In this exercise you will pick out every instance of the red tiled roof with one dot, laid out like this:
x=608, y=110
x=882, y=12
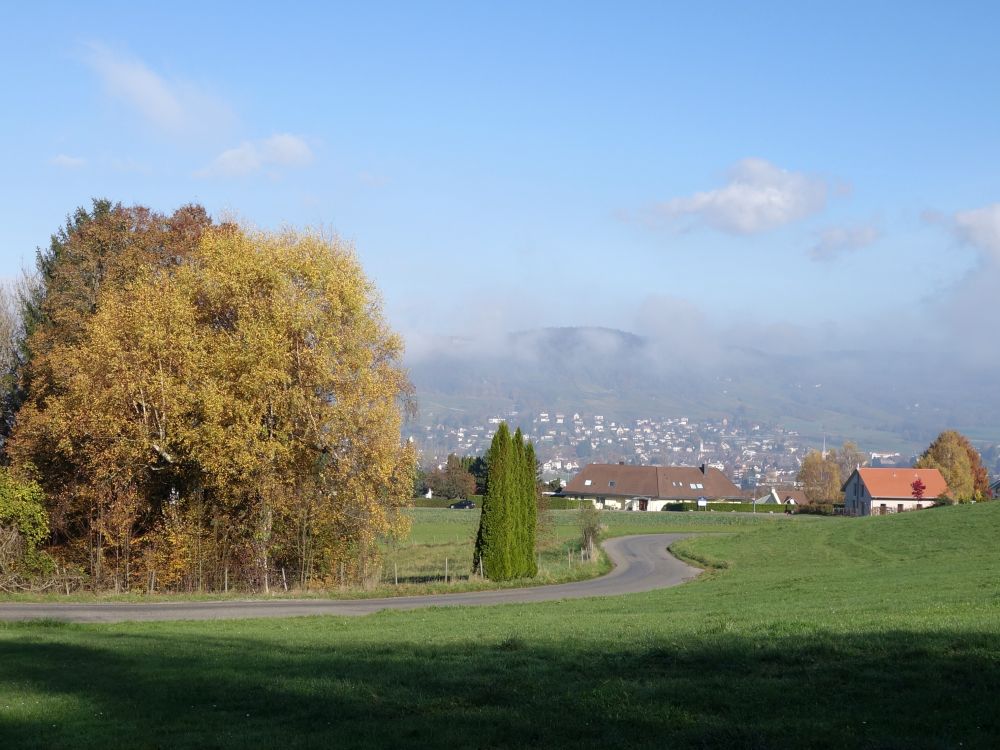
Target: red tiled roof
x=662, y=482
x=898, y=482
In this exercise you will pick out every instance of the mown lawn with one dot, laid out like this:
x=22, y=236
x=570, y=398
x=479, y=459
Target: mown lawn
x=880, y=632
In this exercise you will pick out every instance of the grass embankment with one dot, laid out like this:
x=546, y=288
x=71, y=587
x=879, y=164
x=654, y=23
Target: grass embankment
x=878, y=632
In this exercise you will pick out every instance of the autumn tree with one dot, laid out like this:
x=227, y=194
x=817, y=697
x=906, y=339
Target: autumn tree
x=240, y=391
x=820, y=477
x=959, y=463
x=848, y=458
x=980, y=474
x=108, y=244
x=453, y=481
x=476, y=465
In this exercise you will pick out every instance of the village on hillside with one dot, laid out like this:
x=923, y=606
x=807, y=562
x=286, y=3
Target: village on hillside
x=752, y=454
x=678, y=463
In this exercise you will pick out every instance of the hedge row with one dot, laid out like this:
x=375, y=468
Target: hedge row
x=443, y=502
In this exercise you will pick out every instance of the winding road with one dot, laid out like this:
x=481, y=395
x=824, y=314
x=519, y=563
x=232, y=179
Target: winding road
x=642, y=563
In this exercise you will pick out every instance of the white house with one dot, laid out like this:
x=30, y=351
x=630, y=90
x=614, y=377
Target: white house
x=645, y=503
x=879, y=492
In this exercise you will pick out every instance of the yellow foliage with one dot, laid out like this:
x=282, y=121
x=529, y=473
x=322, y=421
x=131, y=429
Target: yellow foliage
x=257, y=373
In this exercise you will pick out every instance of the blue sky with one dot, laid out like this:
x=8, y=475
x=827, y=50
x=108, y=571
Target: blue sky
x=747, y=169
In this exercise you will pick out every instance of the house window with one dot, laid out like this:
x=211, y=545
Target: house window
x=586, y=482
x=611, y=483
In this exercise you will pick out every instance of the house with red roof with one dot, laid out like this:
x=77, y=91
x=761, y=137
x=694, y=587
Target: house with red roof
x=878, y=492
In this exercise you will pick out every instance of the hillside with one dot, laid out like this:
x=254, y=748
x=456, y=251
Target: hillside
x=840, y=394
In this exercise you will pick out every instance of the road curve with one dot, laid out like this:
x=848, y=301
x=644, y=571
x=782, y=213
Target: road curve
x=642, y=563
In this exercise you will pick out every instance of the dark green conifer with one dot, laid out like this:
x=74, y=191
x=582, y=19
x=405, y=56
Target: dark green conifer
x=493, y=541
x=530, y=511
x=521, y=555
x=505, y=542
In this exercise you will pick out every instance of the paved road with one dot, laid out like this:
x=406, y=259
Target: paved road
x=642, y=563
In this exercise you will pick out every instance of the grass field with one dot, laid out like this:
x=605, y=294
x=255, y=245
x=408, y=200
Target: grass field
x=878, y=632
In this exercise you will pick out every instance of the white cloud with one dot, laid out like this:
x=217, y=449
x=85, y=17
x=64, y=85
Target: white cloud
x=287, y=150
x=965, y=313
x=980, y=228
x=280, y=150
x=176, y=107
x=835, y=241
x=758, y=197
x=68, y=162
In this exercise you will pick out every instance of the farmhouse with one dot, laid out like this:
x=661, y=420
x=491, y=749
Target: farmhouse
x=650, y=487
x=878, y=492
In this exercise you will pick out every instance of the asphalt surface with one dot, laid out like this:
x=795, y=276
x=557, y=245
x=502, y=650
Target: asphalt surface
x=642, y=563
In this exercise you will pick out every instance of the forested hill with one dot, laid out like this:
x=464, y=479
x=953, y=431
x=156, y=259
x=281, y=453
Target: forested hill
x=841, y=394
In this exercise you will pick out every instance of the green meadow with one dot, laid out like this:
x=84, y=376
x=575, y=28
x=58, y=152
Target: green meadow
x=829, y=633
x=417, y=565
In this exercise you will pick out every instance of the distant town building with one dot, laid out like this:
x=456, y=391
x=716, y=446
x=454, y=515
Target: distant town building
x=782, y=497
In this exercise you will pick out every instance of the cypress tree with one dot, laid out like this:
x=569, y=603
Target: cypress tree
x=530, y=511
x=518, y=527
x=493, y=541
x=505, y=542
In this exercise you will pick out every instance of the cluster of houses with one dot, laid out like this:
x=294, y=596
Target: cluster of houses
x=868, y=491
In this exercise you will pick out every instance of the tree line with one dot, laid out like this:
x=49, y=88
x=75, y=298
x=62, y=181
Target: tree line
x=822, y=475
x=198, y=405
x=460, y=477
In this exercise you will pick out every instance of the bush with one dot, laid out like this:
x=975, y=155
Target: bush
x=566, y=503
x=441, y=502
x=24, y=525
x=590, y=527
x=815, y=509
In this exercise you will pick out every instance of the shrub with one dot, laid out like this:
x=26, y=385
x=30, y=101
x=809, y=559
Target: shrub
x=590, y=527
x=815, y=509
x=24, y=525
